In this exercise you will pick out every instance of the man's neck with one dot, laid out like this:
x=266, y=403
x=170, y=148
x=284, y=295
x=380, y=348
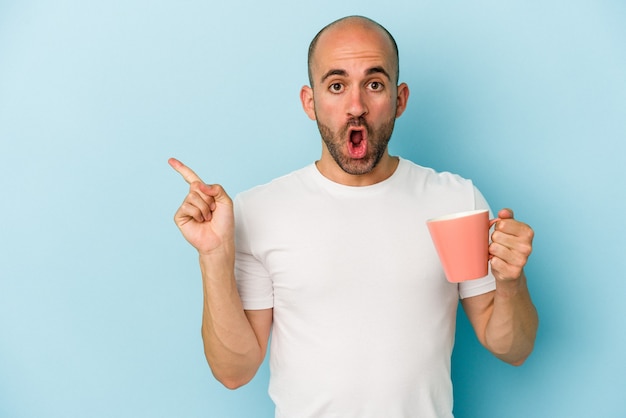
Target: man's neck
x=382, y=171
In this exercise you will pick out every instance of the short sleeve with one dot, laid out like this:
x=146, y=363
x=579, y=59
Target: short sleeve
x=253, y=281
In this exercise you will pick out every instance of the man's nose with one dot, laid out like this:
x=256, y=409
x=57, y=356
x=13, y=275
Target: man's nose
x=357, y=106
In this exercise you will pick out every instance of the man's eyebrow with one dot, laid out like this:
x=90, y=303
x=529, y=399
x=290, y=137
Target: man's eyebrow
x=378, y=70
x=333, y=72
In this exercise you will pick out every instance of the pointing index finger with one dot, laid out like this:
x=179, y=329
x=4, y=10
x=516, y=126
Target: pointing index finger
x=187, y=173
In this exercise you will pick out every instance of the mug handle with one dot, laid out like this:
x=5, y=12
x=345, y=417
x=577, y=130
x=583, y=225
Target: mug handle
x=492, y=222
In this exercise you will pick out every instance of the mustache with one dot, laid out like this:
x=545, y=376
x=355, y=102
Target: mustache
x=357, y=122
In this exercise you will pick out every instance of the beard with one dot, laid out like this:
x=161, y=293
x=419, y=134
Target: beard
x=377, y=141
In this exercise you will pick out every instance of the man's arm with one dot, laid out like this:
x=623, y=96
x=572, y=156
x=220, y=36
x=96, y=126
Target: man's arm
x=235, y=341
x=505, y=320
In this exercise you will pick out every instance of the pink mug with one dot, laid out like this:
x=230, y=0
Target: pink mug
x=462, y=243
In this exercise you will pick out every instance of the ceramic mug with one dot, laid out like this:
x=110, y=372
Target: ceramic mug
x=462, y=243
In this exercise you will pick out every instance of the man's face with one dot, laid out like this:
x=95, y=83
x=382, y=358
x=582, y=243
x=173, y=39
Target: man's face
x=355, y=98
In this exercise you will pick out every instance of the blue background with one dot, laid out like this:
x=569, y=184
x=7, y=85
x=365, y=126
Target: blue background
x=100, y=296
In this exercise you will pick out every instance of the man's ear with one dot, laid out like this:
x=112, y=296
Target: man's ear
x=308, y=104
x=403, y=98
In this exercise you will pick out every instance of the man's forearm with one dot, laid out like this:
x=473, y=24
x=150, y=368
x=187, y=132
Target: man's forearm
x=230, y=344
x=512, y=328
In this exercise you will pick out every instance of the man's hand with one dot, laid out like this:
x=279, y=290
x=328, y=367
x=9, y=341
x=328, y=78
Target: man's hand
x=510, y=247
x=205, y=217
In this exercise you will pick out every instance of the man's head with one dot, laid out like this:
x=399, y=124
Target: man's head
x=355, y=98
x=361, y=20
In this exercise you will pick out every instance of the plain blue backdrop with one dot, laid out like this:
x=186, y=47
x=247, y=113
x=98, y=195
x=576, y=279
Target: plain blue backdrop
x=100, y=296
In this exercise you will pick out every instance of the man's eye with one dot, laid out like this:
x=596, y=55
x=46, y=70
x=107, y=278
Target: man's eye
x=375, y=85
x=336, y=87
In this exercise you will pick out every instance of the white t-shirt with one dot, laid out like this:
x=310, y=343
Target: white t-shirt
x=364, y=318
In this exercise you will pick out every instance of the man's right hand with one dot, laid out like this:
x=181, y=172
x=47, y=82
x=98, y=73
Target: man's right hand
x=205, y=217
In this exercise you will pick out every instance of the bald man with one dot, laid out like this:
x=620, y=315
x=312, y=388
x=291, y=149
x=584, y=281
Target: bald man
x=335, y=261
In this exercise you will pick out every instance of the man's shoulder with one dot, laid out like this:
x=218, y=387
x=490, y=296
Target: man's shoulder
x=431, y=177
x=280, y=186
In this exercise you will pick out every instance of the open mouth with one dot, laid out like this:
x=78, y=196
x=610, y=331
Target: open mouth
x=357, y=144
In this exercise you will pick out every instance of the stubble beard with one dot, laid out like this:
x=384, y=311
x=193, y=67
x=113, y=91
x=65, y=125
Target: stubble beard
x=377, y=141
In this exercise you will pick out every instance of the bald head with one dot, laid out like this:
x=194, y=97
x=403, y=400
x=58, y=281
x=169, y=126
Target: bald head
x=350, y=23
